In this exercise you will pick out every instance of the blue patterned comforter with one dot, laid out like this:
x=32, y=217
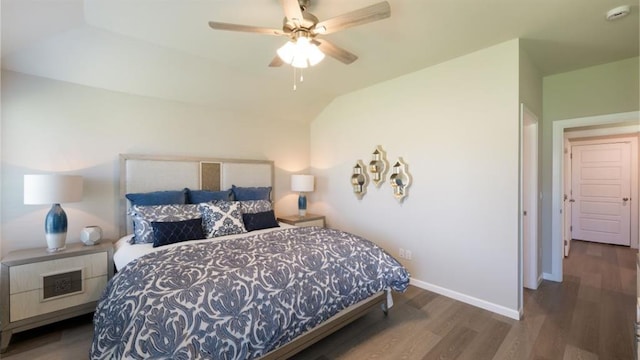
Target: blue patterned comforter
x=237, y=299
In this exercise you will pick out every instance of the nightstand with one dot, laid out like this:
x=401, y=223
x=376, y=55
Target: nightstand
x=307, y=220
x=39, y=288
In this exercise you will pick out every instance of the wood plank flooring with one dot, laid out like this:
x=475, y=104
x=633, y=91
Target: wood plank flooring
x=589, y=316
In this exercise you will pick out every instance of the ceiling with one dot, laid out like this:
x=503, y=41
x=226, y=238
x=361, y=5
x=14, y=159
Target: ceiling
x=165, y=49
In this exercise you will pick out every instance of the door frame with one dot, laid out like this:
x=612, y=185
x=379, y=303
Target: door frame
x=531, y=275
x=566, y=197
x=559, y=126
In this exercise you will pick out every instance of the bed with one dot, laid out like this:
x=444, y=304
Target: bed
x=266, y=293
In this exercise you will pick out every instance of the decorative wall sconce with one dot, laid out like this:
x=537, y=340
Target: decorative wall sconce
x=400, y=180
x=378, y=166
x=359, y=179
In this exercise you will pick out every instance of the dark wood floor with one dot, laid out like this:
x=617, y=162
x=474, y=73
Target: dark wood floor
x=588, y=316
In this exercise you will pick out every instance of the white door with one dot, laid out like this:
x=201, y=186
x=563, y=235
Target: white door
x=531, y=261
x=567, y=200
x=601, y=187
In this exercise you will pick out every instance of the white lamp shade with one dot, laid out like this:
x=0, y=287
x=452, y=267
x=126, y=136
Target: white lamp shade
x=302, y=183
x=52, y=189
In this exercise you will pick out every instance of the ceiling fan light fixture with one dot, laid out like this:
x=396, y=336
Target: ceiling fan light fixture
x=300, y=53
x=300, y=62
x=287, y=51
x=314, y=54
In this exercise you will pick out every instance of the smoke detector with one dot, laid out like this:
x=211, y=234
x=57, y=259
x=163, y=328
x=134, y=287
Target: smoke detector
x=618, y=12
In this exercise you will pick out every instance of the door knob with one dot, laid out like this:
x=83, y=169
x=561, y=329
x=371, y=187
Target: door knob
x=625, y=199
x=572, y=200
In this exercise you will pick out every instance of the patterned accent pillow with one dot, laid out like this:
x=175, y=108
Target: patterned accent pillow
x=170, y=232
x=142, y=217
x=255, y=206
x=221, y=218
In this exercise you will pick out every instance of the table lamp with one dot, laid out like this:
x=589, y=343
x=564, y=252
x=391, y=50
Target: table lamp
x=53, y=189
x=302, y=184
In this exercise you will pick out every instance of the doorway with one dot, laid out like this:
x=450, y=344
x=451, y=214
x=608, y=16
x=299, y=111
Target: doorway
x=556, y=245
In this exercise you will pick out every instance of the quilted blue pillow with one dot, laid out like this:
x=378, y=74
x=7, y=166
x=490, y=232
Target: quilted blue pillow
x=171, y=232
x=261, y=220
x=201, y=196
x=158, y=198
x=251, y=193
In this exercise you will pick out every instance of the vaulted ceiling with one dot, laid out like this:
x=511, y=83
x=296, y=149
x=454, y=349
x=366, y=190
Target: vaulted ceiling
x=165, y=48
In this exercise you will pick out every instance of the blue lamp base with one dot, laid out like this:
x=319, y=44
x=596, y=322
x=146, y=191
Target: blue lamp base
x=55, y=228
x=302, y=205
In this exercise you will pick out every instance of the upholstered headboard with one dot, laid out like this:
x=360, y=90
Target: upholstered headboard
x=145, y=173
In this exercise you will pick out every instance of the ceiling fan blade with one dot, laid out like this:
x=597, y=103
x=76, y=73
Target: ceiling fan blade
x=338, y=53
x=276, y=62
x=365, y=15
x=292, y=11
x=244, y=28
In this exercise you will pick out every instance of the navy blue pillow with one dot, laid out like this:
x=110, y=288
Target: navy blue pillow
x=158, y=198
x=251, y=193
x=170, y=232
x=201, y=196
x=261, y=220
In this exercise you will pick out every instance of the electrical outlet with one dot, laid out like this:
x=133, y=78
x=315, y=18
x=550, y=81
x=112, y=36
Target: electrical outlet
x=407, y=254
x=403, y=254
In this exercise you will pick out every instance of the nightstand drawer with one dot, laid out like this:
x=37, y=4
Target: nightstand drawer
x=32, y=303
x=29, y=277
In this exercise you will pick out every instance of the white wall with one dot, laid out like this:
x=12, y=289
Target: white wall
x=530, y=84
x=456, y=125
x=531, y=96
x=52, y=126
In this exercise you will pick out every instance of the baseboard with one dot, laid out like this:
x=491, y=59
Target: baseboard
x=550, y=277
x=495, y=308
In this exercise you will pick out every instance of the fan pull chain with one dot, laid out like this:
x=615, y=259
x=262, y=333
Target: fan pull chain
x=294, y=79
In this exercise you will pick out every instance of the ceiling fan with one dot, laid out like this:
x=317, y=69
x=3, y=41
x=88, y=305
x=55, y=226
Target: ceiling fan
x=303, y=48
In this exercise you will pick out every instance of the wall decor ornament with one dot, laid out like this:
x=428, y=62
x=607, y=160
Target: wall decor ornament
x=378, y=166
x=359, y=179
x=400, y=179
